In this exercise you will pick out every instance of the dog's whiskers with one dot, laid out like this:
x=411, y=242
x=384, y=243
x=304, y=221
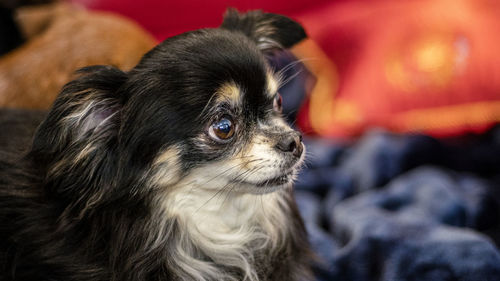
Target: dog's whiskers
x=193, y=182
x=221, y=190
x=245, y=175
x=235, y=166
x=291, y=64
x=290, y=78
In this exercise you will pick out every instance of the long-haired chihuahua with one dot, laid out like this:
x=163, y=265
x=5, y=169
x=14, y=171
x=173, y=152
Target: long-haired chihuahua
x=180, y=169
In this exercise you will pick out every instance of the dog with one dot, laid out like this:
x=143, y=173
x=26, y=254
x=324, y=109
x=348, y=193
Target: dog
x=179, y=169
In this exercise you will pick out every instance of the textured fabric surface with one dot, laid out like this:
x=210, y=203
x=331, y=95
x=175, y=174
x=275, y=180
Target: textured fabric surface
x=404, y=207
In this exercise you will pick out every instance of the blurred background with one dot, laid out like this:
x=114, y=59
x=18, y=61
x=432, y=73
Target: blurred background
x=399, y=102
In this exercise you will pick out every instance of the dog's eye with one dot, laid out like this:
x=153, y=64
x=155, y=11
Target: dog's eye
x=222, y=129
x=277, y=103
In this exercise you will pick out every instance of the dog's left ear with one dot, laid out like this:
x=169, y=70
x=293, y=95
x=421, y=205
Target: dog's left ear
x=84, y=112
x=74, y=145
x=269, y=31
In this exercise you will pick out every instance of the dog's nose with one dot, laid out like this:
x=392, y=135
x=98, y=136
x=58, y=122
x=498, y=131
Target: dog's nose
x=291, y=143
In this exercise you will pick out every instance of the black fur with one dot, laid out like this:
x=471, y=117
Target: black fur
x=10, y=34
x=79, y=206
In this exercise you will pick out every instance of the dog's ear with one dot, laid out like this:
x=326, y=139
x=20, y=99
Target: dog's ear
x=84, y=111
x=269, y=31
x=79, y=132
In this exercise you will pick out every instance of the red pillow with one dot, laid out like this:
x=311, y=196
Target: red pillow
x=165, y=18
x=409, y=66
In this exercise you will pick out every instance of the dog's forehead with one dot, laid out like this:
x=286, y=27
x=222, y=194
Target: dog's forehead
x=230, y=59
x=243, y=73
x=196, y=68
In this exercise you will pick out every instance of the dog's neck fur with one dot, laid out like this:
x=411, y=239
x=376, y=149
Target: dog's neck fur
x=225, y=235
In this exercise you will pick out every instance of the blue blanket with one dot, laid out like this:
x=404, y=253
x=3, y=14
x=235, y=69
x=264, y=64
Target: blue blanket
x=403, y=207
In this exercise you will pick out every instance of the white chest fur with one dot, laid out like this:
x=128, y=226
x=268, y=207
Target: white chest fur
x=227, y=227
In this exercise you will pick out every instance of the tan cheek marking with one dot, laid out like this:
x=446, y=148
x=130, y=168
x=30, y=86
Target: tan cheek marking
x=169, y=155
x=243, y=157
x=228, y=92
x=167, y=166
x=246, y=157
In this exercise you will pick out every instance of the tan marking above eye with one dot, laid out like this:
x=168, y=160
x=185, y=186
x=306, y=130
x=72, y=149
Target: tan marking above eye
x=229, y=92
x=272, y=85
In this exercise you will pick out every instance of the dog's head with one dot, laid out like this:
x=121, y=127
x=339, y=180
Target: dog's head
x=202, y=107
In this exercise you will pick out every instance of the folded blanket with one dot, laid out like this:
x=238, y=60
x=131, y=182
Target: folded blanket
x=404, y=207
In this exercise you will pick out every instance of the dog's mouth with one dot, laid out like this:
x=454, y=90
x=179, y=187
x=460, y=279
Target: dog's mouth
x=268, y=185
x=277, y=181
